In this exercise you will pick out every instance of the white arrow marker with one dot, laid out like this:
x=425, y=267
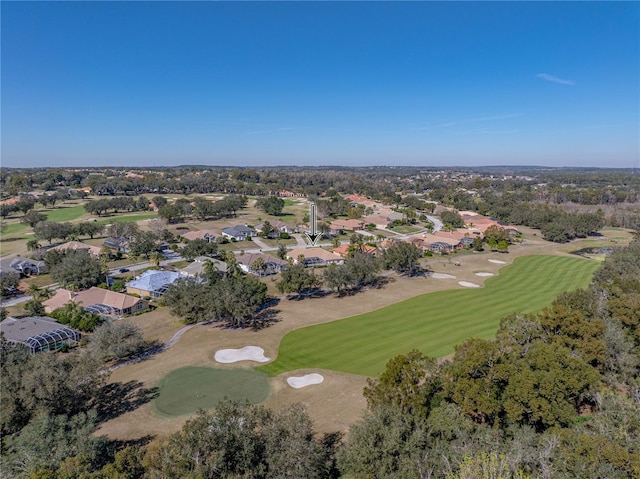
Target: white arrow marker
x=313, y=219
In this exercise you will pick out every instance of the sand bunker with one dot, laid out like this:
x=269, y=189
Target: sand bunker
x=442, y=276
x=482, y=273
x=467, y=284
x=497, y=261
x=298, y=382
x=248, y=353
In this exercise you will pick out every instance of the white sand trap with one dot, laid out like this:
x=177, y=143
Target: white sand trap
x=497, y=261
x=248, y=353
x=298, y=382
x=467, y=284
x=483, y=273
x=442, y=276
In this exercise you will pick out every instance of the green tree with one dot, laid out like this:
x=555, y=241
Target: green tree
x=282, y=251
x=570, y=328
x=76, y=317
x=403, y=257
x=49, y=439
x=33, y=307
x=547, y=386
x=198, y=247
x=88, y=228
x=452, y=218
x=410, y=382
x=297, y=279
x=77, y=269
x=502, y=246
x=386, y=443
x=144, y=243
x=189, y=299
x=32, y=218
x=33, y=245
x=271, y=205
x=473, y=381
x=116, y=340
x=497, y=233
x=259, y=266
x=240, y=440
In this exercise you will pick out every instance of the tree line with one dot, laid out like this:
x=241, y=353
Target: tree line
x=555, y=395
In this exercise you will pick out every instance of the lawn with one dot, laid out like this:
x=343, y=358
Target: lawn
x=13, y=229
x=128, y=219
x=433, y=323
x=186, y=390
x=65, y=213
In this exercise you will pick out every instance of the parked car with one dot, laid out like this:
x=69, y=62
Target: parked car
x=123, y=270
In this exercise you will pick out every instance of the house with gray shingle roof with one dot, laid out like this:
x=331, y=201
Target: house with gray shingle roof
x=22, y=266
x=272, y=265
x=239, y=232
x=38, y=333
x=197, y=268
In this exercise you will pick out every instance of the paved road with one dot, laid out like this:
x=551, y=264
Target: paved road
x=437, y=224
x=16, y=300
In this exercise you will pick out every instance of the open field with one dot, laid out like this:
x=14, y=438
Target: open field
x=432, y=323
x=185, y=390
x=127, y=218
x=65, y=213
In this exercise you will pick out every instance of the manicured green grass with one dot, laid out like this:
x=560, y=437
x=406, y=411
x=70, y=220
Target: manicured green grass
x=432, y=323
x=128, y=219
x=185, y=390
x=65, y=213
x=13, y=229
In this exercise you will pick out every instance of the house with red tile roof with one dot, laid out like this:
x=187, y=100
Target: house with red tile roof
x=78, y=246
x=339, y=225
x=345, y=249
x=97, y=299
x=380, y=221
x=314, y=257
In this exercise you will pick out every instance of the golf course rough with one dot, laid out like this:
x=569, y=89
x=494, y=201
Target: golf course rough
x=433, y=323
x=186, y=390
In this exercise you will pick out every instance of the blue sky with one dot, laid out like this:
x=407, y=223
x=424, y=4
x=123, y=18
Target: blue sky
x=320, y=83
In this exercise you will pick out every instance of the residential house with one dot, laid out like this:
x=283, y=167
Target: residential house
x=283, y=227
x=379, y=221
x=78, y=246
x=97, y=300
x=152, y=283
x=21, y=266
x=86, y=190
x=197, y=267
x=120, y=243
x=272, y=264
x=441, y=243
x=207, y=235
x=315, y=257
x=38, y=333
x=279, y=227
x=344, y=249
x=460, y=234
x=340, y=225
x=239, y=232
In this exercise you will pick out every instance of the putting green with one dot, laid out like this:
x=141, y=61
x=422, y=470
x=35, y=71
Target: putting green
x=185, y=390
x=432, y=323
